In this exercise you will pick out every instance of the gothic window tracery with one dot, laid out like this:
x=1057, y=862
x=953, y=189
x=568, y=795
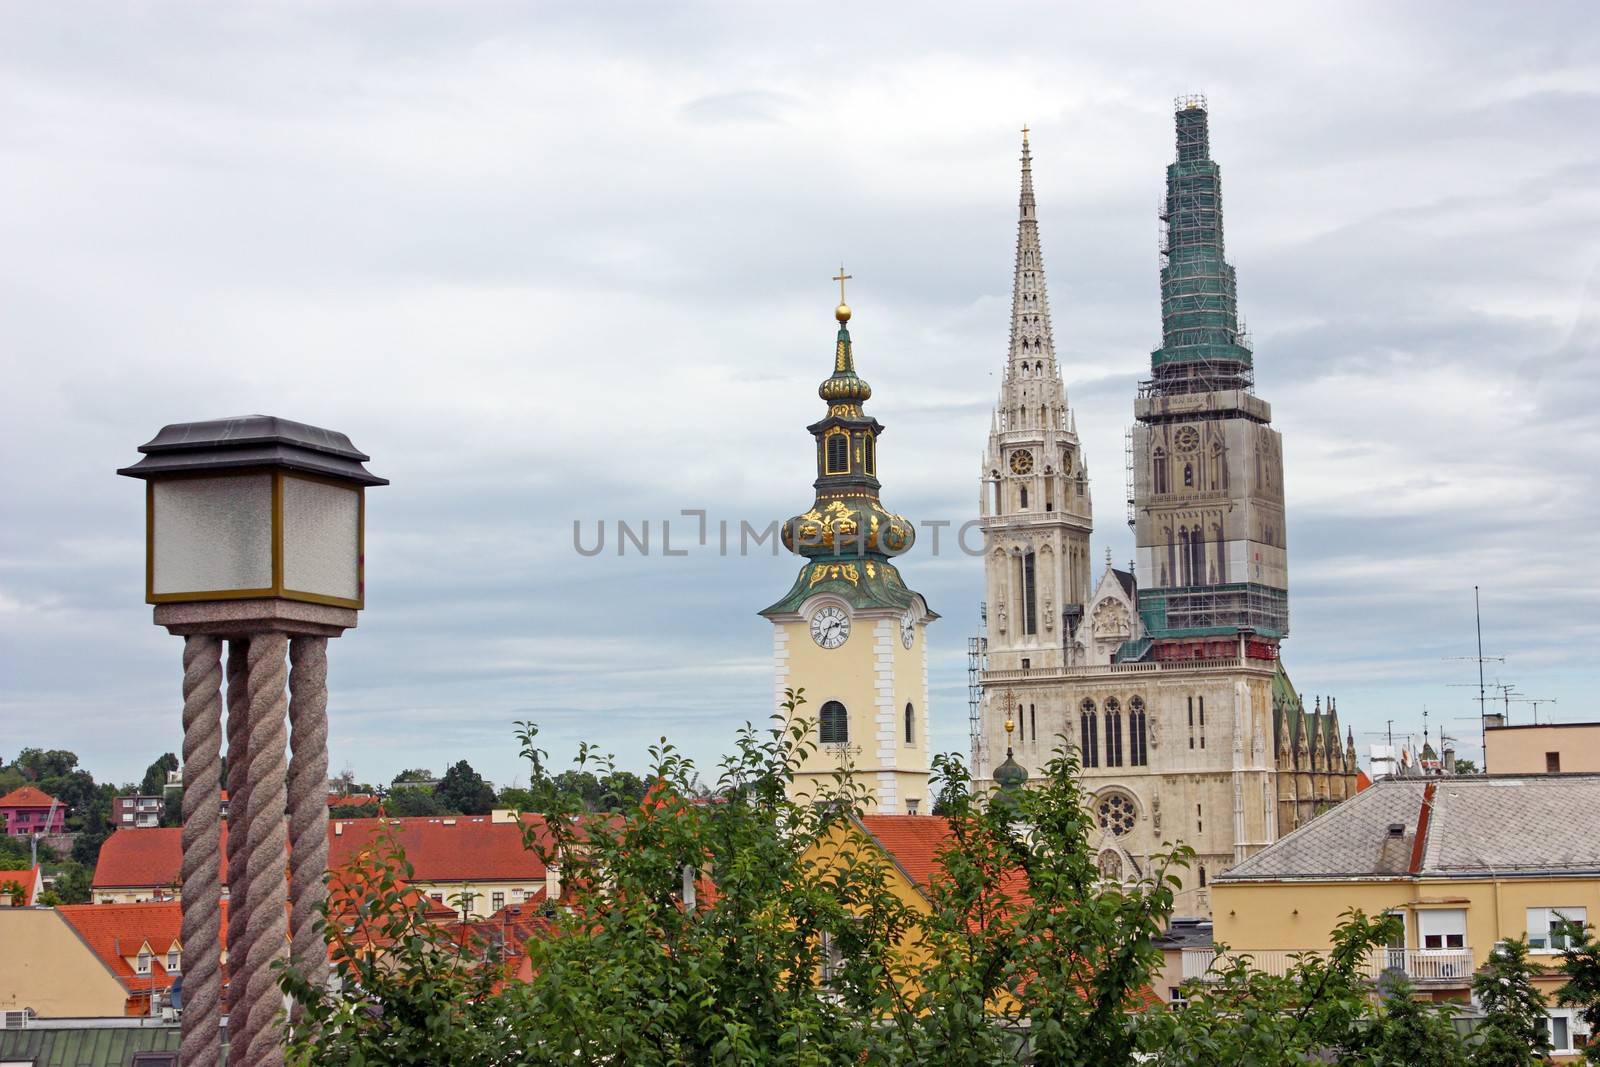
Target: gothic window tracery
x=1159, y=469
x=833, y=724
x=1089, y=734
x=1138, y=755
x=1116, y=812
x=1113, y=733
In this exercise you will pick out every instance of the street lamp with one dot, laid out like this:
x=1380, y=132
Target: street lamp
x=254, y=535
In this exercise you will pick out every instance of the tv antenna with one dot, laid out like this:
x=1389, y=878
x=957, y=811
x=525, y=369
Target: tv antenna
x=1480, y=659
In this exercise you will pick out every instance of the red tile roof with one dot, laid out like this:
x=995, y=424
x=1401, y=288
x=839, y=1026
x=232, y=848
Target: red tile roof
x=1363, y=783
x=115, y=931
x=461, y=848
x=146, y=858
x=27, y=879
x=458, y=848
x=27, y=797
x=914, y=843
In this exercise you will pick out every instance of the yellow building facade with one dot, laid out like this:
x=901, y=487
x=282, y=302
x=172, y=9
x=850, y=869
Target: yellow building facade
x=850, y=635
x=1465, y=862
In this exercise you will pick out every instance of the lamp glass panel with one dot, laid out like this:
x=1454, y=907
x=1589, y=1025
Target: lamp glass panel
x=321, y=538
x=212, y=535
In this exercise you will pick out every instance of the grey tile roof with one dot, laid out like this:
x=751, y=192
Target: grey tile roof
x=1478, y=824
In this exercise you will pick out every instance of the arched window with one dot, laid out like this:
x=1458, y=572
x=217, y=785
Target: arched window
x=1188, y=475
x=1089, y=735
x=838, y=453
x=911, y=721
x=1183, y=555
x=869, y=452
x=999, y=508
x=1158, y=469
x=1202, y=876
x=834, y=724
x=1216, y=465
x=1023, y=499
x=1033, y=723
x=1113, y=733
x=1038, y=368
x=1138, y=756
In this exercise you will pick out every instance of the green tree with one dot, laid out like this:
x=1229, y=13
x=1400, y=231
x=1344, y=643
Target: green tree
x=463, y=790
x=414, y=802
x=1412, y=1034
x=73, y=883
x=413, y=776
x=1515, y=1030
x=40, y=764
x=155, y=776
x=1580, y=962
x=1320, y=1011
x=1466, y=766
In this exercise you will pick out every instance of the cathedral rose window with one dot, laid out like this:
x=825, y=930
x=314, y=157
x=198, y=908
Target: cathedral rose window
x=1116, y=814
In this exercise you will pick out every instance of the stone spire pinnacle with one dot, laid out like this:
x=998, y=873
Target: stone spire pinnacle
x=1030, y=308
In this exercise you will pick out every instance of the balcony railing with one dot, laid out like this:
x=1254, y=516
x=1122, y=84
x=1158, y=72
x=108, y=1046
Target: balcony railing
x=1228, y=663
x=1420, y=965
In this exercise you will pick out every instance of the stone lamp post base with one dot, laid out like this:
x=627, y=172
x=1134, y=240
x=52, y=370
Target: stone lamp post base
x=265, y=913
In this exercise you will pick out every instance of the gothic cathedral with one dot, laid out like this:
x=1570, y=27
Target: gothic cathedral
x=1164, y=677
x=849, y=632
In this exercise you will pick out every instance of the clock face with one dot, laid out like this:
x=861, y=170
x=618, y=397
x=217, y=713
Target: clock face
x=830, y=627
x=908, y=631
x=1021, y=461
x=1187, y=439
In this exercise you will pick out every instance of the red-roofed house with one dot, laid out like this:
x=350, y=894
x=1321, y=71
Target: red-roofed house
x=18, y=889
x=89, y=960
x=27, y=810
x=474, y=856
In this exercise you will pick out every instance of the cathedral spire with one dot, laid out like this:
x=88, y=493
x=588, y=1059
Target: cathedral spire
x=1030, y=308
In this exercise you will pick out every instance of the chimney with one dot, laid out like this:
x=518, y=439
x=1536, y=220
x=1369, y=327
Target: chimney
x=1448, y=758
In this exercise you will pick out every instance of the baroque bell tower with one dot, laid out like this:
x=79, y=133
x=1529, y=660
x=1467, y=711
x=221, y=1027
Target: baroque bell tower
x=850, y=632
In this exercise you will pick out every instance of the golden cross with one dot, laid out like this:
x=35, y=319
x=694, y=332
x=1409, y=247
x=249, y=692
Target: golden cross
x=841, y=278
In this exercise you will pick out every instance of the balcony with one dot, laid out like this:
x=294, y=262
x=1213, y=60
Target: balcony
x=1224, y=665
x=1422, y=966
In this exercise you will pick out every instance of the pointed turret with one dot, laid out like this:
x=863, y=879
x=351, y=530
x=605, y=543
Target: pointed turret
x=1031, y=339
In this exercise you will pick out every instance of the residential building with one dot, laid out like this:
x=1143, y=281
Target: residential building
x=138, y=812
x=1549, y=748
x=471, y=857
x=1165, y=677
x=850, y=631
x=1183, y=937
x=27, y=810
x=89, y=960
x=19, y=889
x=1465, y=861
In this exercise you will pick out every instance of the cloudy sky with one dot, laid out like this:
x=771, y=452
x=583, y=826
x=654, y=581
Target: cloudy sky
x=550, y=263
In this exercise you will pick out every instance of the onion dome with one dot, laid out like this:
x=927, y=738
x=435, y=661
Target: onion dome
x=847, y=536
x=1010, y=775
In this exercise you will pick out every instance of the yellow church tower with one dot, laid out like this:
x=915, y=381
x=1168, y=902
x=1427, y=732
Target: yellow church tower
x=849, y=631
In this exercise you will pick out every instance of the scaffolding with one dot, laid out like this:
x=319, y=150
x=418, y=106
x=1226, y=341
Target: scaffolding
x=1203, y=345
x=977, y=663
x=1127, y=476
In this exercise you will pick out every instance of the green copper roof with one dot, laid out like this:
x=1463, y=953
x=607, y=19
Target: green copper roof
x=860, y=581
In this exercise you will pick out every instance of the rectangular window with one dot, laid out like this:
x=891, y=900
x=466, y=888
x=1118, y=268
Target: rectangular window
x=519, y=896
x=497, y=900
x=1202, y=722
x=172, y=962
x=1567, y=1031
x=1191, y=722
x=1546, y=929
x=1443, y=929
x=1033, y=723
x=1199, y=821
x=1552, y=763
x=1026, y=663
x=142, y=964
x=437, y=898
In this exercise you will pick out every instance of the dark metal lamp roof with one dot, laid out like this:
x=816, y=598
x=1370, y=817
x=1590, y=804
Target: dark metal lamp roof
x=252, y=441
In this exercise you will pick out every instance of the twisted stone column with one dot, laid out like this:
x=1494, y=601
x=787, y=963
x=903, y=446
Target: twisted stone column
x=258, y=1041
x=308, y=804
x=238, y=794
x=202, y=831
